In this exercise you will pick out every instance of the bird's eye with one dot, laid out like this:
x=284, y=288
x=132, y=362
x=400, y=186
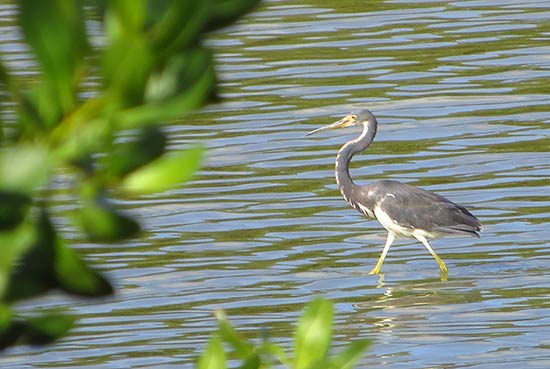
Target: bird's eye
x=354, y=117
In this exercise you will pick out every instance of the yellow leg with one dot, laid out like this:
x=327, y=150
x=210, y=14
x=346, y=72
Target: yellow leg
x=378, y=266
x=441, y=263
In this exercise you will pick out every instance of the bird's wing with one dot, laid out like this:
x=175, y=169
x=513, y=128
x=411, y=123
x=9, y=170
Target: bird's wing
x=415, y=208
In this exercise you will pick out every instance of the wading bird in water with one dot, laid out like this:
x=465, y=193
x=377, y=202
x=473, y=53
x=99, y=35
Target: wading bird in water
x=403, y=210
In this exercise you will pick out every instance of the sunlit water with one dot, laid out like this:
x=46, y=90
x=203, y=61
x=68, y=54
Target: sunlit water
x=461, y=93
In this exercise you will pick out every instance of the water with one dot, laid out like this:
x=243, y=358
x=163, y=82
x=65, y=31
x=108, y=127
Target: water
x=460, y=91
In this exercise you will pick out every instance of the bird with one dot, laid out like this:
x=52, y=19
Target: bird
x=403, y=210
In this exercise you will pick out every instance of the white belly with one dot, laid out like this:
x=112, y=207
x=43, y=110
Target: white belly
x=386, y=221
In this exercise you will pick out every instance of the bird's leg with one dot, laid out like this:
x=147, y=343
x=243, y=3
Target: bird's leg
x=378, y=266
x=441, y=263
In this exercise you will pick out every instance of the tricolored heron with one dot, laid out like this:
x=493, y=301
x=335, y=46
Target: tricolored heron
x=403, y=210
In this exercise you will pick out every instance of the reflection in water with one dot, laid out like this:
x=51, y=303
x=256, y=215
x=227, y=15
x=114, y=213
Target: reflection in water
x=460, y=90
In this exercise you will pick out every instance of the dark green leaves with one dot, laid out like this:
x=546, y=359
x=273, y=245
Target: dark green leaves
x=44, y=262
x=56, y=32
x=102, y=222
x=100, y=219
x=74, y=276
x=156, y=51
x=90, y=115
x=179, y=87
x=13, y=209
x=14, y=243
x=46, y=328
x=179, y=25
x=35, y=331
x=224, y=12
x=127, y=63
x=127, y=156
x=49, y=263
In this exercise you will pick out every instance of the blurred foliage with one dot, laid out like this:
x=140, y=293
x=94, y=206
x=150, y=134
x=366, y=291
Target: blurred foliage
x=92, y=112
x=312, y=342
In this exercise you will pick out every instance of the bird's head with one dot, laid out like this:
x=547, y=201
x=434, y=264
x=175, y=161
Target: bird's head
x=358, y=118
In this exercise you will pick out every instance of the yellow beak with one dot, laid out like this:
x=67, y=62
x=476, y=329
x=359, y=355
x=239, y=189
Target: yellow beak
x=347, y=121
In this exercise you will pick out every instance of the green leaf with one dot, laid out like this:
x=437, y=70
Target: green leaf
x=14, y=207
x=5, y=77
x=313, y=334
x=181, y=86
x=252, y=362
x=37, y=330
x=102, y=222
x=127, y=156
x=100, y=219
x=224, y=12
x=276, y=351
x=50, y=264
x=177, y=75
x=74, y=276
x=348, y=357
x=131, y=14
x=5, y=316
x=56, y=32
x=34, y=272
x=126, y=64
x=243, y=348
x=10, y=331
x=178, y=27
x=164, y=172
x=214, y=357
x=73, y=142
x=14, y=244
x=23, y=168
x=47, y=328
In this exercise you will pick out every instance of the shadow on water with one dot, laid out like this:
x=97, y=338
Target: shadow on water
x=460, y=92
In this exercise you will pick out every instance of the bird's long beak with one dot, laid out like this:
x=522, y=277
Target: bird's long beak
x=347, y=121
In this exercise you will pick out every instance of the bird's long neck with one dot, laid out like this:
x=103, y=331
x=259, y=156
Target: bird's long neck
x=346, y=153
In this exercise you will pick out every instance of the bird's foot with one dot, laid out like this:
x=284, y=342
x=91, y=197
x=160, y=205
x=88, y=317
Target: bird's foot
x=443, y=275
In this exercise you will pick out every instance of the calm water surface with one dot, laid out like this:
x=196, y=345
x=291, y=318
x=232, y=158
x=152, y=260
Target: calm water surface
x=461, y=93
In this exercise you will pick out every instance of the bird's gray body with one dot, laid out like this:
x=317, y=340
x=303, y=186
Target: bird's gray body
x=404, y=210
x=412, y=208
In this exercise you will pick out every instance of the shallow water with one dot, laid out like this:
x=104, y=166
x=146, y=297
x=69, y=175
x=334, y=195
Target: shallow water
x=461, y=93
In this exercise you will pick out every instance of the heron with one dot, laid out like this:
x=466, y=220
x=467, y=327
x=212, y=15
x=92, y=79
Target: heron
x=403, y=210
